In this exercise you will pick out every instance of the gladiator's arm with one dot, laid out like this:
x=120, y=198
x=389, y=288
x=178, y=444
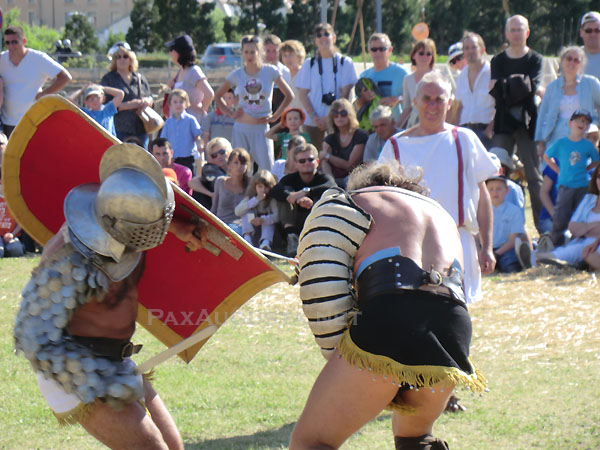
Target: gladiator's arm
x=194, y=235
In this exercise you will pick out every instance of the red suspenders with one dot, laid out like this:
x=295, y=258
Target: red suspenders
x=461, y=211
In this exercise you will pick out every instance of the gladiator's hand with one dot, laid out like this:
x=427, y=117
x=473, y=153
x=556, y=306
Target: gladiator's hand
x=194, y=235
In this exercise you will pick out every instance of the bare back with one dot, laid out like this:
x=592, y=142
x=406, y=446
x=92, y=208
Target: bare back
x=422, y=230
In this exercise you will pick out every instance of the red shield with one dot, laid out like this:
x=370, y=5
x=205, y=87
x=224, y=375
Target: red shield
x=56, y=147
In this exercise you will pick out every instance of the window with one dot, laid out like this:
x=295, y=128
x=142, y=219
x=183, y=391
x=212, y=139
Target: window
x=31, y=18
x=68, y=1
x=92, y=1
x=114, y=16
x=92, y=18
x=32, y=2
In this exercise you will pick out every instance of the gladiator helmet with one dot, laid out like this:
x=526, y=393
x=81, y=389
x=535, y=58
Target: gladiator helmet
x=127, y=212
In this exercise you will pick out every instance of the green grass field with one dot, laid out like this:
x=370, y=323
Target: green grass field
x=536, y=337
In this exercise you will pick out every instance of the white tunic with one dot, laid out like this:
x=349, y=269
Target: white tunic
x=437, y=154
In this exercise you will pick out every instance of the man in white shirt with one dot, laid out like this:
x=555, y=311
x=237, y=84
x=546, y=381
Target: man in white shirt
x=24, y=72
x=455, y=166
x=477, y=106
x=322, y=79
x=590, y=33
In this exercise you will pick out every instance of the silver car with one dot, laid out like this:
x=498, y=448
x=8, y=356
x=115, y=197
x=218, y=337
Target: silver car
x=226, y=55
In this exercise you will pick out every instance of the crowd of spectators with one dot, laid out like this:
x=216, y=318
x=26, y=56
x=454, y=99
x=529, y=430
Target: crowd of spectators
x=290, y=116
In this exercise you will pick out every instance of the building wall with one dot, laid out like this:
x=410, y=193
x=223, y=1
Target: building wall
x=54, y=13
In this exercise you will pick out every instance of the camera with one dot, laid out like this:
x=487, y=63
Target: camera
x=328, y=98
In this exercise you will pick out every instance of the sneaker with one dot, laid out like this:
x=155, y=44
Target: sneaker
x=552, y=261
x=292, y=244
x=523, y=252
x=265, y=245
x=544, y=244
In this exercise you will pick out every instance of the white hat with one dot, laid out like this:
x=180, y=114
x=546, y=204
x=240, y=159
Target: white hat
x=591, y=16
x=454, y=50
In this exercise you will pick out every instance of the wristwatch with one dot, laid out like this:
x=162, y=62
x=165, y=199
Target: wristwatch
x=306, y=190
x=327, y=156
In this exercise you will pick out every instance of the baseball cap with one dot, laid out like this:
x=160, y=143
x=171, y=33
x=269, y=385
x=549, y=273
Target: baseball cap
x=581, y=113
x=180, y=44
x=593, y=128
x=503, y=157
x=590, y=16
x=93, y=89
x=455, y=50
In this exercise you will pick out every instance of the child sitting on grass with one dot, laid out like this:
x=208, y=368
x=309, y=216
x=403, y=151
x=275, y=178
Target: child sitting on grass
x=292, y=119
x=257, y=210
x=573, y=155
x=509, y=225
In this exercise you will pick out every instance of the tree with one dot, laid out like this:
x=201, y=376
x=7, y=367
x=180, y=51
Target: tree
x=301, y=21
x=81, y=33
x=268, y=12
x=176, y=17
x=141, y=35
x=112, y=39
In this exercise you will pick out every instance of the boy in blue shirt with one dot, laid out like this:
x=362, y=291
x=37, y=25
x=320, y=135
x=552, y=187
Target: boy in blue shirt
x=93, y=97
x=509, y=224
x=573, y=155
x=182, y=130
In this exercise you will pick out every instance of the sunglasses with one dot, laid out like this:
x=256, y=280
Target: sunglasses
x=379, y=49
x=125, y=56
x=591, y=30
x=342, y=113
x=421, y=53
x=323, y=33
x=250, y=40
x=13, y=42
x=573, y=58
x=456, y=60
x=217, y=153
x=303, y=160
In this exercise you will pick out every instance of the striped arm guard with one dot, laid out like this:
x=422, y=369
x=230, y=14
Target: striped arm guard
x=329, y=240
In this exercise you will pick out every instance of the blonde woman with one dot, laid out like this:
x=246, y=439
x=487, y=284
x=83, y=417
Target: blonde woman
x=292, y=55
x=253, y=85
x=422, y=58
x=343, y=149
x=122, y=74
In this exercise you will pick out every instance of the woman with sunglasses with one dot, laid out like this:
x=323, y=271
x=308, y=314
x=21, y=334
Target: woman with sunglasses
x=253, y=85
x=325, y=77
x=216, y=153
x=422, y=58
x=122, y=74
x=571, y=91
x=190, y=77
x=343, y=149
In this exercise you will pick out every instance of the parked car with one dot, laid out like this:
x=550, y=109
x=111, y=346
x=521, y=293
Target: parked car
x=226, y=55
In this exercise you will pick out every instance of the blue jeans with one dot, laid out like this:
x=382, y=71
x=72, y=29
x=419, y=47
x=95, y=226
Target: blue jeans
x=508, y=262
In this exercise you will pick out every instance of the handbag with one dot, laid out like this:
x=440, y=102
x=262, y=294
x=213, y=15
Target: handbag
x=150, y=118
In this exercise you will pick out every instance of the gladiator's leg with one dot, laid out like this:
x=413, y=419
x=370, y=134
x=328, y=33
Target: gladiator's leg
x=162, y=418
x=429, y=406
x=130, y=428
x=342, y=400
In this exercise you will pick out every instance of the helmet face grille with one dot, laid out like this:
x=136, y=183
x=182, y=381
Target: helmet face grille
x=145, y=236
